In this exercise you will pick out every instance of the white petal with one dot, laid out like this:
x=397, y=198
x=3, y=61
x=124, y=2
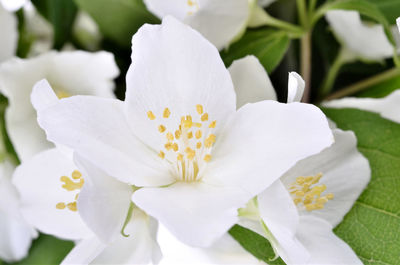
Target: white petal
x=9, y=34
x=173, y=66
x=218, y=21
x=346, y=173
x=324, y=246
x=185, y=209
x=366, y=42
x=225, y=250
x=70, y=73
x=44, y=95
x=103, y=202
x=38, y=182
x=16, y=233
x=263, y=141
x=398, y=23
x=251, y=81
x=388, y=107
x=279, y=213
x=139, y=248
x=12, y=5
x=96, y=129
x=295, y=87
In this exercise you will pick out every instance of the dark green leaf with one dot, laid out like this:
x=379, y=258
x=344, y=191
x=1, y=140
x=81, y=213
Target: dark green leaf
x=363, y=7
x=268, y=45
x=255, y=244
x=382, y=89
x=118, y=19
x=47, y=250
x=61, y=14
x=390, y=8
x=372, y=227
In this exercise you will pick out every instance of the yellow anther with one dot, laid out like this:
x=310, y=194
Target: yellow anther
x=166, y=113
x=170, y=136
x=76, y=174
x=309, y=179
x=198, y=145
x=190, y=135
x=168, y=146
x=317, y=178
x=198, y=134
x=207, y=158
x=299, y=193
x=204, y=117
x=300, y=180
x=70, y=185
x=161, y=128
x=212, y=124
x=175, y=147
x=62, y=94
x=191, y=3
x=297, y=201
x=151, y=115
x=190, y=153
x=197, y=124
x=76, y=197
x=72, y=206
x=178, y=134
x=330, y=196
x=210, y=140
x=60, y=205
x=199, y=109
x=179, y=157
x=161, y=154
x=187, y=122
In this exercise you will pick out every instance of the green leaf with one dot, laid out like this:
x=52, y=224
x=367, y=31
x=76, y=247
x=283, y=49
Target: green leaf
x=268, y=45
x=363, y=7
x=47, y=250
x=389, y=8
x=118, y=20
x=61, y=14
x=372, y=227
x=382, y=89
x=257, y=245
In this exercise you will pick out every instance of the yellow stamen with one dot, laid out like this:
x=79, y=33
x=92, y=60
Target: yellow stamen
x=210, y=140
x=178, y=134
x=198, y=134
x=198, y=145
x=161, y=128
x=76, y=174
x=72, y=206
x=170, y=136
x=60, y=205
x=190, y=135
x=166, y=113
x=207, y=158
x=161, y=154
x=204, y=117
x=151, y=115
x=199, y=109
x=212, y=124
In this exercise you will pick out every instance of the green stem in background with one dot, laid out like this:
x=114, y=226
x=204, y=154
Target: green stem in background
x=359, y=86
x=311, y=7
x=396, y=59
x=302, y=11
x=305, y=61
x=332, y=74
x=277, y=23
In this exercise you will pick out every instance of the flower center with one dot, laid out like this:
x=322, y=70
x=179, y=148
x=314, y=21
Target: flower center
x=71, y=185
x=193, y=7
x=188, y=144
x=306, y=193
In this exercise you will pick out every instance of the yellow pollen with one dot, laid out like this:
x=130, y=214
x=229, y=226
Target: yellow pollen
x=198, y=145
x=166, y=113
x=60, y=205
x=72, y=206
x=70, y=185
x=161, y=154
x=198, y=134
x=199, y=109
x=187, y=122
x=305, y=191
x=191, y=3
x=212, y=124
x=178, y=134
x=76, y=174
x=204, y=117
x=151, y=115
x=175, y=147
x=190, y=135
x=170, y=136
x=207, y=158
x=197, y=124
x=62, y=94
x=168, y=146
x=210, y=140
x=161, y=128
x=179, y=157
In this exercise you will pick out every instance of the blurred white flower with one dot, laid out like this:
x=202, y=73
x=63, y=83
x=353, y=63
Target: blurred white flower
x=359, y=39
x=70, y=73
x=297, y=211
x=9, y=34
x=178, y=135
x=388, y=107
x=13, y=5
x=16, y=233
x=86, y=31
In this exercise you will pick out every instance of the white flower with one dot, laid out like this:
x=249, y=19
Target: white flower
x=55, y=188
x=388, y=107
x=16, y=233
x=70, y=73
x=178, y=135
x=301, y=208
x=9, y=34
x=13, y=5
x=361, y=41
x=219, y=21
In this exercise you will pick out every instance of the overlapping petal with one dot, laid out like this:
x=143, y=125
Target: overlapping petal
x=9, y=32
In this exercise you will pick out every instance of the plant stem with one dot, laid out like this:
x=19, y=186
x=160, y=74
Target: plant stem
x=274, y=22
x=332, y=74
x=305, y=62
x=301, y=8
x=359, y=86
x=311, y=7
